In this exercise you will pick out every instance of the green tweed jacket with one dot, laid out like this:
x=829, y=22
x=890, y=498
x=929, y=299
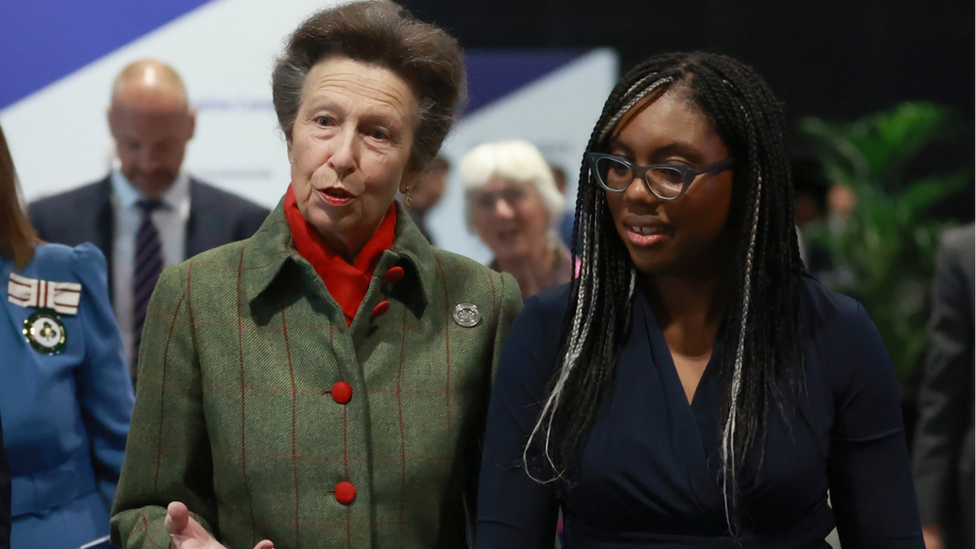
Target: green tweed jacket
x=236, y=414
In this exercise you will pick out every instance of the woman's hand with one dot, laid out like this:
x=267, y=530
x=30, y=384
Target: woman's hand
x=186, y=533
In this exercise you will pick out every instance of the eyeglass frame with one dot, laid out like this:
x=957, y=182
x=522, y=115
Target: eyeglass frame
x=688, y=173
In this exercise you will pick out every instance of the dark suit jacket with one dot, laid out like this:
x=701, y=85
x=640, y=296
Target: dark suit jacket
x=85, y=215
x=944, y=437
x=4, y=498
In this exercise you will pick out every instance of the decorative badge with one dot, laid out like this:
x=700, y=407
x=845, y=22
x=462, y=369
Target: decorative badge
x=45, y=332
x=467, y=315
x=62, y=297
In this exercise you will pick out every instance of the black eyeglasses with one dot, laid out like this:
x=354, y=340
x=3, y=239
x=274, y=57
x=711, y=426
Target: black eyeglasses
x=666, y=181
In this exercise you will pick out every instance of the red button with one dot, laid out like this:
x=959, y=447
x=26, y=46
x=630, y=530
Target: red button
x=342, y=392
x=345, y=492
x=394, y=275
x=381, y=308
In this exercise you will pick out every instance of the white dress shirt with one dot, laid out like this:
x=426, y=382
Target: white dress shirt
x=170, y=221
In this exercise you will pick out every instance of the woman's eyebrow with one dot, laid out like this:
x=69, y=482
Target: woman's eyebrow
x=616, y=143
x=675, y=147
x=317, y=103
x=679, y=147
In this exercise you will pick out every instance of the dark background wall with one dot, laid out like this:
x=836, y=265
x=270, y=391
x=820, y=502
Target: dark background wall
x=828, y=58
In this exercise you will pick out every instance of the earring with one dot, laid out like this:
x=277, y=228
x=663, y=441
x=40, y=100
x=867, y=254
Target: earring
x=408, y=200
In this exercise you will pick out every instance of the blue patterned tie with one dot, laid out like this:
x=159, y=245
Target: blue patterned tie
x=148, y=265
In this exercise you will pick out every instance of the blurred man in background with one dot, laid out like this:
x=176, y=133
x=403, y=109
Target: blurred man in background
x=944, y=445
x=810, y=209
x=146, y=213
x=426, y=193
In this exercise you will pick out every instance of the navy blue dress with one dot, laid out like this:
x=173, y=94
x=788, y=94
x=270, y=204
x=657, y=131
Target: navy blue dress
x=649, y=473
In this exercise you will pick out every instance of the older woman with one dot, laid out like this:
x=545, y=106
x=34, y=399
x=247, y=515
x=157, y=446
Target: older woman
x=512, y=203
x=65, y=393
x=324, y=383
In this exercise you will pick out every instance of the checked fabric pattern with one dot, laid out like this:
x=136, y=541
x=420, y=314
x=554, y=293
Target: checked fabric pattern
x=236, y=417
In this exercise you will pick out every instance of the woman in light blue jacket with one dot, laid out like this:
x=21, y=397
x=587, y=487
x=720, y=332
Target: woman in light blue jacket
x=65, y=394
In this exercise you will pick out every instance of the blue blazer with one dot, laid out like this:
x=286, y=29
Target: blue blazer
x=4, y=498
x=85, y=215
x=65, y=416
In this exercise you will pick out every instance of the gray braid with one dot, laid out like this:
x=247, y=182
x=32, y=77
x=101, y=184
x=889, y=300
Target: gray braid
x=728, y=430
x=634, y=101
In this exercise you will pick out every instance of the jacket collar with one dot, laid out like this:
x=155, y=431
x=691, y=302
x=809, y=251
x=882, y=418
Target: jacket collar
x=270, y=255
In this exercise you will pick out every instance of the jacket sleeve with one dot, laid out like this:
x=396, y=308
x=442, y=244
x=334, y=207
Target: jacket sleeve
x=168, y=456
x=871, y=488
x=104, y=385
x=511, y=304
x=513, y=509
x=945, y=394
x=4, y=497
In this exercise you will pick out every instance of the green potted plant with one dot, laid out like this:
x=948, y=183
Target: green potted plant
x=883, y=248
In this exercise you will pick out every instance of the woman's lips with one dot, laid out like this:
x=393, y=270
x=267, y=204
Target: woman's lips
x=641, y=239
x=646, y=233
x=335, y=196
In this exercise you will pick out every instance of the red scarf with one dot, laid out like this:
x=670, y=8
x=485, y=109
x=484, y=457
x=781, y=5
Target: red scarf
x=346, y=283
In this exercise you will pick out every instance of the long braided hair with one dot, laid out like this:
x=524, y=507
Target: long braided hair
x=763, y=317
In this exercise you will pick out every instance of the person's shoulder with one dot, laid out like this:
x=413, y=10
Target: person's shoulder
x=218, y=258
x=845, y=341
x=212, y=275
x=548, y=307
x=826, y=308
x=553, y=300
x=58, y=261
x=467, y=275
x=72, y=198
x=459, y=262
x=224, y=202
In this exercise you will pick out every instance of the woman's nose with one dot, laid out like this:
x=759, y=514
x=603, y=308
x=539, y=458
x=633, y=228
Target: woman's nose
x=640, y=191
x=503, y=209
x=343, y=159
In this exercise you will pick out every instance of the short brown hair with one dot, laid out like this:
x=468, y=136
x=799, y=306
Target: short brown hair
x=386, y=34
x=17, y=237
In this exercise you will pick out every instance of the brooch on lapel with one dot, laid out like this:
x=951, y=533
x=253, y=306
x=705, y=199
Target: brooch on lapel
x=467, y=315
x=44, y=329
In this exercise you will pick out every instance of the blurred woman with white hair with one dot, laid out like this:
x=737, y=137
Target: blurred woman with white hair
x=511, y=203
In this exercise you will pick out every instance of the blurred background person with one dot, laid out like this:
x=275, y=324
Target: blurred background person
x=426, y=192
x=511, y=202
x=65, y=396
x=944, y=446
x=565, y=227
x=324, y=383
x=147, y=213
x=810, y=189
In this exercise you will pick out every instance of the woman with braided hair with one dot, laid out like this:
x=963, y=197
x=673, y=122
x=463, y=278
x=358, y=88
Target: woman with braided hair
x=692, y=386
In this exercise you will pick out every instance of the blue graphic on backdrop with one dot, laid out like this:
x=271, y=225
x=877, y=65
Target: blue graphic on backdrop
x=495, y=74
x=45, y=40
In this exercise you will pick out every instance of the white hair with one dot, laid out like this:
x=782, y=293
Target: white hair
x=515, y=160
